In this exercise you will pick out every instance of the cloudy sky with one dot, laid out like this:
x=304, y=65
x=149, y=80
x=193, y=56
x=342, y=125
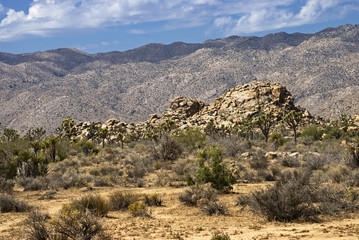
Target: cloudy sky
x=106, y=25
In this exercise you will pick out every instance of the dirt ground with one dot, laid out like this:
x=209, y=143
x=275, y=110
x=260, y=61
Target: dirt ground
x=173, y=220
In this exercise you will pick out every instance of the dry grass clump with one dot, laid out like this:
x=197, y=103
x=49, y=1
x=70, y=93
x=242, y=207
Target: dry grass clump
x=138, y=209
x=192, y=196
x=206, y=198
x=121, y=200
x=220, y=236
x=97, y=205
x=67, y=224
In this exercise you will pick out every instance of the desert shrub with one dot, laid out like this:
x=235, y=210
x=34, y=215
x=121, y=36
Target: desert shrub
x=120, y=200
x=37, y=227
x=97, y=205
x=294, y=197
x=212, y=169
x=259, y=161
x=231, y=145
x=192, y=138
x=71, y=179
x=220, y=236
x=180, y=167
x=152, y=200
x=102, y=182
x=6, y=185
x=352, y=179
x=338, y=174
x=190, y=197
x=163, y=179
x=87, y=147
x=138, y=209
x=212, y=207
x=290, y=162
x=33, y=184
x=313, y=131
x=352, y=154
x=314, y=162
x=284, y=202
x=9, y=204
x=333, y=132
x=167, y=150
x=277, y=139
x=73, y=224
x=136, y=171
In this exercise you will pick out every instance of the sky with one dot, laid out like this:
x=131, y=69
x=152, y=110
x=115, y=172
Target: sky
x=96, y=26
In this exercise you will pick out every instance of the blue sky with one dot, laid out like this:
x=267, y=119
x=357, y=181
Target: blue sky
x=107, y=25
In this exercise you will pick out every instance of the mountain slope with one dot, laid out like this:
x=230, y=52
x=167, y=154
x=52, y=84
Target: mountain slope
x=41, y=89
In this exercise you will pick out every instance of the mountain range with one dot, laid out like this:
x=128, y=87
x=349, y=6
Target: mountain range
x=40, y=89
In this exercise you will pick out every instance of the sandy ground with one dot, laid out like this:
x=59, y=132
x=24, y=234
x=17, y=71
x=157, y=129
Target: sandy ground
x=173, y=220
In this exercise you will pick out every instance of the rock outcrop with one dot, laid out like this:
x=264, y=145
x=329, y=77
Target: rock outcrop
x=232, y=108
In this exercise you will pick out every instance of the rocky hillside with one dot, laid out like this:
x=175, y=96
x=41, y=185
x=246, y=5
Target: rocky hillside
x=43, y=88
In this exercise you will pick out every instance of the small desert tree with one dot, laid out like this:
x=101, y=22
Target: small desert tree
x=292, y=120
x=265, y=122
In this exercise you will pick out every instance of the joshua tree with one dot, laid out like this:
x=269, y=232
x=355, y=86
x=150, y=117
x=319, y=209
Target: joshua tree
x=10, y=134
x=51, y=143
x=265, y=122
x=67, y=128
x=121, y=137
x=102, y=133
x=247, y=127
x=292, y=119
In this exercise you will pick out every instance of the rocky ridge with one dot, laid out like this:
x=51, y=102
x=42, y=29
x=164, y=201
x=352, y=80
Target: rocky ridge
x=236, y=105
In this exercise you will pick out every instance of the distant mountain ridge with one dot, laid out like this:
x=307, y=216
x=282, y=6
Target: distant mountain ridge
x=42, y=88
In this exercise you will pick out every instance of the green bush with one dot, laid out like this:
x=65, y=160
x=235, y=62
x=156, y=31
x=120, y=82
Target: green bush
x=313, y=131
x=192, y=138
x=212, y=169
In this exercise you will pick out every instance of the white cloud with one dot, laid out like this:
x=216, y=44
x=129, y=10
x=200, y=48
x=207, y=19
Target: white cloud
x=50, y=17
x=260, y=15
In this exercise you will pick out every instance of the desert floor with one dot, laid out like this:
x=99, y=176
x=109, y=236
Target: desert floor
x=173, y=220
